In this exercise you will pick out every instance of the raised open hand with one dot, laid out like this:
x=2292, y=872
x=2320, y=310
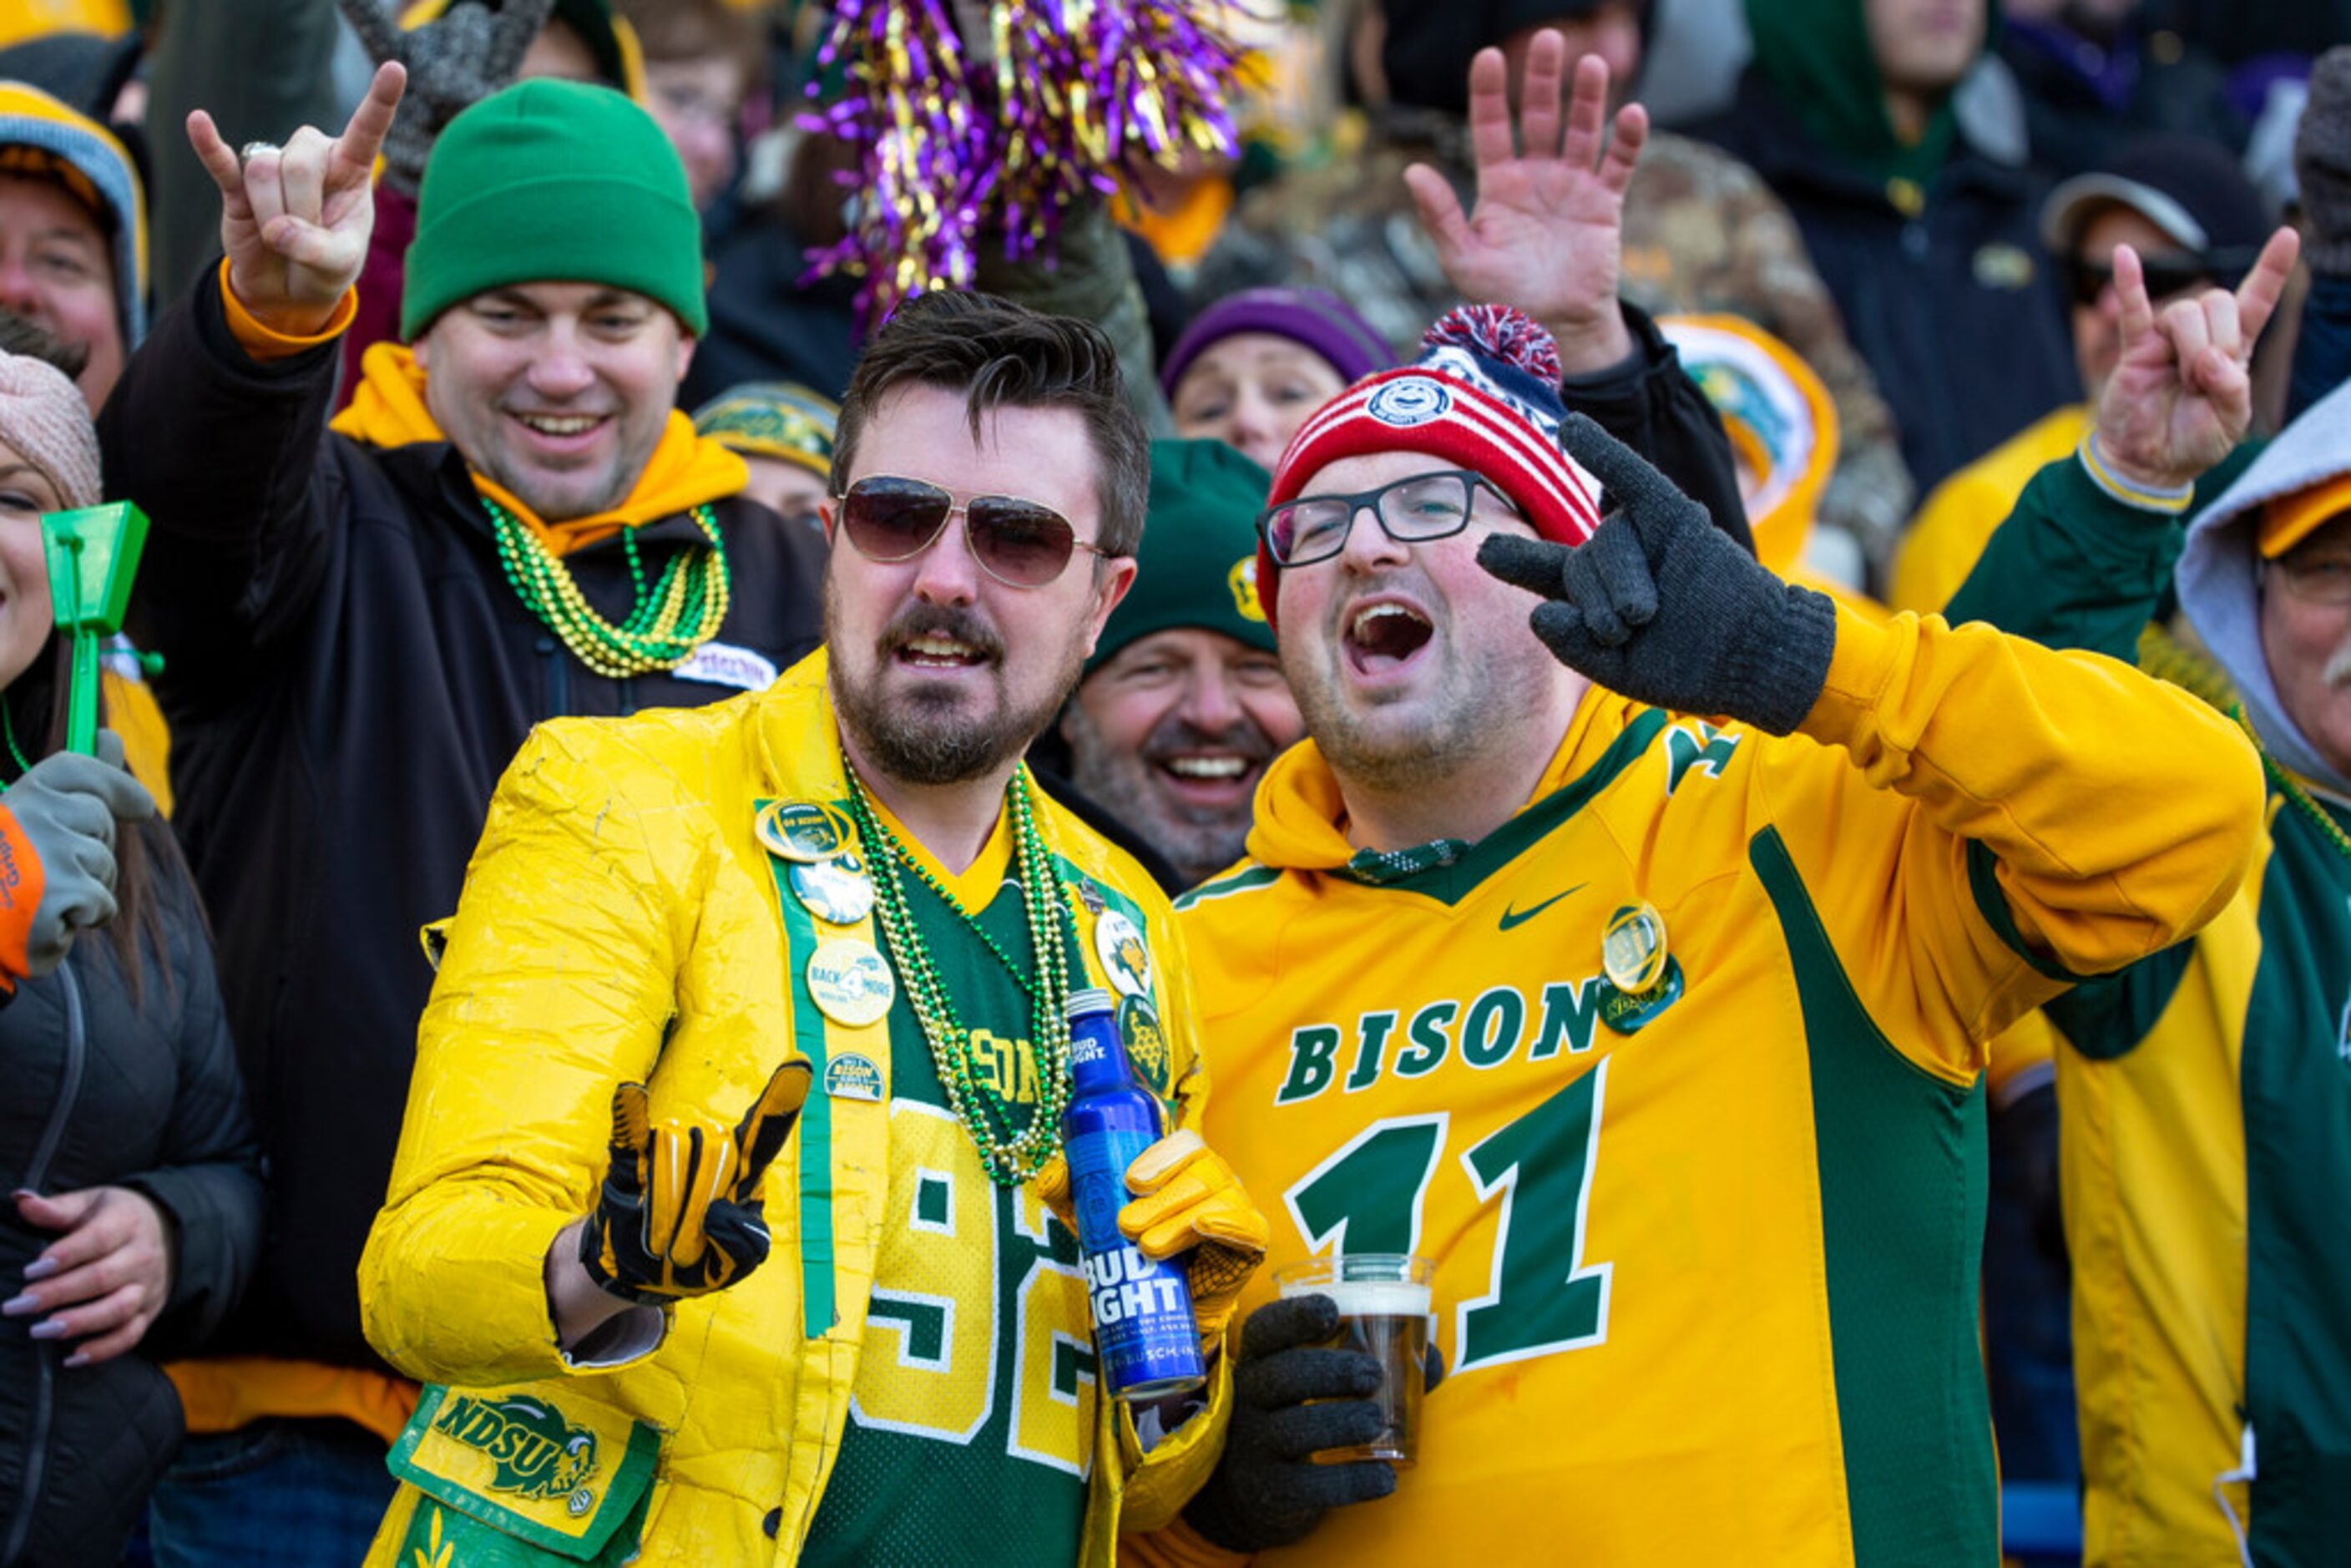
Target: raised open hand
x=1547, y=228
x=2181, y=394
x=295, y=220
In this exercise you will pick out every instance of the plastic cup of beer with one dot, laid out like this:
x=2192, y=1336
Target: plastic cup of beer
x=1384, y=1309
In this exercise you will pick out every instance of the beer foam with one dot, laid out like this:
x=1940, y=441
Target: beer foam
x=1373, y=1297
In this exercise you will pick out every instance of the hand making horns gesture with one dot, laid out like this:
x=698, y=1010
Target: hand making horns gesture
x=2181, y=394
x=295, y=220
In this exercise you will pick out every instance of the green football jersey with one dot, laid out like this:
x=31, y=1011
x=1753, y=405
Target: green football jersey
x=962, y=1433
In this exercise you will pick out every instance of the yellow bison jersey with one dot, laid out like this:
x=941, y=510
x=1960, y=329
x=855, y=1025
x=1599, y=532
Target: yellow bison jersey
x=1675, y=1077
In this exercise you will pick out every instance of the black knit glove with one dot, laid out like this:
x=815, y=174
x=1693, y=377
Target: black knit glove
x=1266, y=1490
x=1662, y=606
x=455, y=61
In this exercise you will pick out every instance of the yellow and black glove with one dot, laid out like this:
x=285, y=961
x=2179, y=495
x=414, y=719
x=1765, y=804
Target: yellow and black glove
x=680, y=1214
x=1186, y=1197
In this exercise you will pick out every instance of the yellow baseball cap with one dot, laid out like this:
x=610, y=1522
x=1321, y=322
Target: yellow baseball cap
x=2288, y=520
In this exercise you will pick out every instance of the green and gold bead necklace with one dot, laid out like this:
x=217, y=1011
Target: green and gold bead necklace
x=2291, y=787
x=1012, y=1154
x=666, y=624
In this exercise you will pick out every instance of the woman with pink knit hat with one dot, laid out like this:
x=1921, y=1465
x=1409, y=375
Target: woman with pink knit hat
x=134, y=1213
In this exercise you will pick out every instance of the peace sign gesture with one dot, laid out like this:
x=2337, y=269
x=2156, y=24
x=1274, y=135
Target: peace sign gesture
x=1547, y=228
x=295, y=220
x=2181, y=394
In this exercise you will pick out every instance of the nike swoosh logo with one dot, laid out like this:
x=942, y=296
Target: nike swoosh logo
x=1521, y=917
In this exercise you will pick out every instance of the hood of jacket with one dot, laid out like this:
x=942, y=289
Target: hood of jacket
x=1301, y=813
x=1817, y=55
x=2218, y=575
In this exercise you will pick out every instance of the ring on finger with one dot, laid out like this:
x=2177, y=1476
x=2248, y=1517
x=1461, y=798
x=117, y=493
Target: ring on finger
x=252, y=150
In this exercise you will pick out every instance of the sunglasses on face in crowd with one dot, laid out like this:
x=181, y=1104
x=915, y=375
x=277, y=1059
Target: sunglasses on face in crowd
x=2089, y=277
x=1410, y=511
x=1021, y=543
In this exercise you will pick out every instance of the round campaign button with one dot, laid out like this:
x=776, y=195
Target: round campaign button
x=836, y=890
x=1118, y=943
x=1633, y=949
x=1146, y=1043
x=850, y=981
x=805, y=830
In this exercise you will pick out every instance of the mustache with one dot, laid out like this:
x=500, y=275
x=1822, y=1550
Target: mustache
x=1175, y=736
x=2338, y=668
x=918, y=621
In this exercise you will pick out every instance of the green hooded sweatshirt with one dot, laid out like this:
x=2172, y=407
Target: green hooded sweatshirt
x=1817, y=53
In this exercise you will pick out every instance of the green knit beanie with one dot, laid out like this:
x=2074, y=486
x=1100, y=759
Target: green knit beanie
x=553, y=181
x=1197, y=564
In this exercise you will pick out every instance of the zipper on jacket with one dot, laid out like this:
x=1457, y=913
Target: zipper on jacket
x=45, y=1356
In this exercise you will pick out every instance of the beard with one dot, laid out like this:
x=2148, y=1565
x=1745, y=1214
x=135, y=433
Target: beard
x=1490, y=677
x=1390, y=750
x=1197, y=842
x=928, y=733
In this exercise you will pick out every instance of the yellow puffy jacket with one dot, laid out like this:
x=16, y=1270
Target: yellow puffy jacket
x=620, y=921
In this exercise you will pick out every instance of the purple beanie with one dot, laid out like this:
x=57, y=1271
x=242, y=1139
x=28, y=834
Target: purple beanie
x=1315, y=318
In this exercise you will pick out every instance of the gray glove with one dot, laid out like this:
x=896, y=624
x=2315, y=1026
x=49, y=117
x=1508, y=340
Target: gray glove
x=66, y=805
x=1663, y=607
x=455, y=61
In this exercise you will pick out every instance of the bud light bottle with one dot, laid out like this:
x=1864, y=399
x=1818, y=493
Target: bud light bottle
x=1146, y=1336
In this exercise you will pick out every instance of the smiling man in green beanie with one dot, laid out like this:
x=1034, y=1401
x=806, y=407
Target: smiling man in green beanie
x=361, y=625
x=1183, y=703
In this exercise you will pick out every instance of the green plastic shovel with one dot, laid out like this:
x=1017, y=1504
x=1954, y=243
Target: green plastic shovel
x=93, y=554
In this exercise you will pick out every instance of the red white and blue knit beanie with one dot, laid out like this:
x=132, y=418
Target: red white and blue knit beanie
x=1484, y=395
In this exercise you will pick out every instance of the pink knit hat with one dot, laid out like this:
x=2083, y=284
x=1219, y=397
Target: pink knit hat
x=1484, y=393
x=44, y=421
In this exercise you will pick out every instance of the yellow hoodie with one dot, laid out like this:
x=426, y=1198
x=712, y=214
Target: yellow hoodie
x=1705, y=1277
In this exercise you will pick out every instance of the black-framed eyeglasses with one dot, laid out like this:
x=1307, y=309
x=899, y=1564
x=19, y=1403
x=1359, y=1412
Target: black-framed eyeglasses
x=1410, y=511
x=1021, y=543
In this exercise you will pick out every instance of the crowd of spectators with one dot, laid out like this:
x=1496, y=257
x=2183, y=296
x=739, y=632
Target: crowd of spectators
x=540, y=415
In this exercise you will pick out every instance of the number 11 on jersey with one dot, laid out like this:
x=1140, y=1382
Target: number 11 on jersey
x=1368, y=1197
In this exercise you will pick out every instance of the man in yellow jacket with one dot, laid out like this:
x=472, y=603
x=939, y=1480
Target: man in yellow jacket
x=1660, y=1035
x=360, y=627
x=652, y=1332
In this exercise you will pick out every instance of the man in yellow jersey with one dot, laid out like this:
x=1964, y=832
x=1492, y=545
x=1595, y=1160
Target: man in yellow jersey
x=2206, y=1127
x=1661, y=1035
x=841, y=902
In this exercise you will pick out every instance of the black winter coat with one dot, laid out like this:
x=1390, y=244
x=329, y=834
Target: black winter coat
x=347, y=673
x=104, y=1093
x=1957, y=310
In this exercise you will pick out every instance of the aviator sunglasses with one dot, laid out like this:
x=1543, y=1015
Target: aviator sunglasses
x=1021, y=544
